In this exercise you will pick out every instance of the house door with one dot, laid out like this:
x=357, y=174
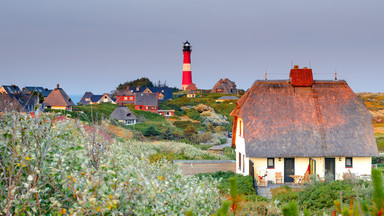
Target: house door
x=330, y=167
x=289, y=169
x=252, y=173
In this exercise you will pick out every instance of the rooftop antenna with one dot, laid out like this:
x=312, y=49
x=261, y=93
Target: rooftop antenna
x=310, y=64
x=291, y=64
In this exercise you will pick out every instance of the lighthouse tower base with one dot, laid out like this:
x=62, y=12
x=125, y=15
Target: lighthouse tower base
x=189, y=87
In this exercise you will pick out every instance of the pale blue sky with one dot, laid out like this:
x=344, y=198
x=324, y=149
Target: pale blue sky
x=93, y=45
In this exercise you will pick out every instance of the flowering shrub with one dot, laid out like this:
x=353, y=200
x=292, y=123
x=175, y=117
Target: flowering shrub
x=58, y=167
x=213, y=118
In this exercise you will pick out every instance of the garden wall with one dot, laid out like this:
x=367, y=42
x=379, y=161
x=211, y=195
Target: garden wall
x=192, y=167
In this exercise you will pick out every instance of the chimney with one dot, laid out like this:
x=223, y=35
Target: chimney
x=57, y=85
x=301, y=77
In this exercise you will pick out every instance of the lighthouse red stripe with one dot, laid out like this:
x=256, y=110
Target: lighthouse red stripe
x=187, y=57
x=187, y=78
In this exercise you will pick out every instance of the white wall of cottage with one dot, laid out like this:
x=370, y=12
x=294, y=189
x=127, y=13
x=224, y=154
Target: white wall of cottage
x=360, y=166
x=240, y=148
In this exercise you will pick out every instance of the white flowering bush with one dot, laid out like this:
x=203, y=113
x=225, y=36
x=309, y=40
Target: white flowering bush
x=53, y=165
x=213, y=118
x=218, y=139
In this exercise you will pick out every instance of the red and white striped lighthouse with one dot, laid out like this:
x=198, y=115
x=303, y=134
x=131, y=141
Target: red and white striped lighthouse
x=187, y=74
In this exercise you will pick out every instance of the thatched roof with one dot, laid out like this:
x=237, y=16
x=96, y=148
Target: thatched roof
x=58, y=97
x=87, y=95
x=225, y=86
x=324, y=120
x=8, y=104
x=122, y=113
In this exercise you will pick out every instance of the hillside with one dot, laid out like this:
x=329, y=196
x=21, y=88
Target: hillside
x=375, y=104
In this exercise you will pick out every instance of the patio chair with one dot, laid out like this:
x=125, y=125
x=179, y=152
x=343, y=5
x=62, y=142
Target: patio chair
x=306, y=178
x=279, y=178
x=263, y=181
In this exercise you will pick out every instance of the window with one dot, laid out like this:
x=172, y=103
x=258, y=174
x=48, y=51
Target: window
x=240, y=129
x=130, y=98
x=271, y=163
x=239, y=161
x=348, y=162
x=125, y=98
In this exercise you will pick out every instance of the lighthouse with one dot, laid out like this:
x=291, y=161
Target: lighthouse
x=186, y=83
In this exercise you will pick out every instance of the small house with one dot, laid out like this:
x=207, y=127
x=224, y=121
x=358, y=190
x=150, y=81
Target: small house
x=191, y=94
x=58, y=99
x=8, y=104
x=225, y=86
x=104, y=98
x=147, y=102
x=163, y=93
x=27, y=101
x=86, y=99
x=124, y=115
x=299, y=124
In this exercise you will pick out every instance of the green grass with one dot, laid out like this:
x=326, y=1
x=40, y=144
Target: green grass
x=230, y=153
x=224, y=108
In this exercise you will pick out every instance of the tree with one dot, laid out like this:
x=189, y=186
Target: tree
x=168, y=135
x=151, y=131
x=142, y=82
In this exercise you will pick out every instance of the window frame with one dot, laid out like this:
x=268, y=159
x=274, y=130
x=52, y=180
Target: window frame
x=273, y=163
x=239, y=161
x=346, y=165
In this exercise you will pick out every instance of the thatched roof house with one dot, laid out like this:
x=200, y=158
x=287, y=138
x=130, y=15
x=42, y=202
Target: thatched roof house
x=123, y=114
x=8, y=104
x=303, y=118
x=58, y=99
x=225, y=86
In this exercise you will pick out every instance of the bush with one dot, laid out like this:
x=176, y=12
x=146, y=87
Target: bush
x=214, y=119
x=244, y=186
x=58, y=166
x=322, y=195
x=193, y=114
x=151, y=131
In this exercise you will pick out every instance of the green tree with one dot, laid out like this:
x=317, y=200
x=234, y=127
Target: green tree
x=151, y=131
x=168, y=135
x=142, y=82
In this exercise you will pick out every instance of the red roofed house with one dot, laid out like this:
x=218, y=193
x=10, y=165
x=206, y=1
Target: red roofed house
x=147, y=102
x=125, y=97
x=58, y=99
x=290, y=126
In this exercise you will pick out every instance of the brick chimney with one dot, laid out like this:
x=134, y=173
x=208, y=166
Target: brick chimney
x=301, y=77
x=57, y=85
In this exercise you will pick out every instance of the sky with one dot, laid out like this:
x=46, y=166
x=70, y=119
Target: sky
x=94, y=45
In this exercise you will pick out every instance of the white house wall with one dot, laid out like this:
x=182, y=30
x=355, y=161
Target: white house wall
x=360, y=166
x=240, y=148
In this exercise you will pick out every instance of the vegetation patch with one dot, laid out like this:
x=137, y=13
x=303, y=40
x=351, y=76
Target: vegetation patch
x=59, y=166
